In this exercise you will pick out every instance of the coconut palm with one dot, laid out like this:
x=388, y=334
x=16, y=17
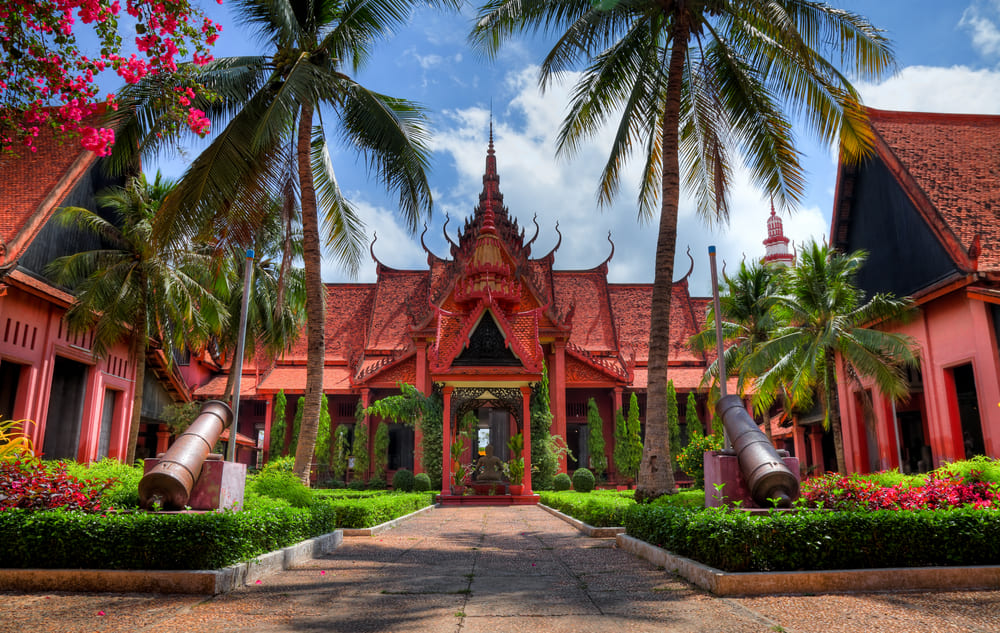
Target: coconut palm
x=827, y=316
x=747, y=302
x=699, y=83
x=134, y=285
x=273, y=140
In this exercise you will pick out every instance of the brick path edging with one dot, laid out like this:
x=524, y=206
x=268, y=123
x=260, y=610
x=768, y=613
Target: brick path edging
x=723, y=583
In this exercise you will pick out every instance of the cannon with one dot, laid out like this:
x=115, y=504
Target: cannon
x=763, y=469
x=168, y=484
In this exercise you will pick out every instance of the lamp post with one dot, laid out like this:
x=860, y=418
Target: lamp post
x=238, y=358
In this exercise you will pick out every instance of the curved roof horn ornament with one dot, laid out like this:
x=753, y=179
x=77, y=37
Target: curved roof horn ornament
x=690, y=270
x=371, y=249
x=424, y=244
x=608, y=260
x=558, y=244
x=534, y=220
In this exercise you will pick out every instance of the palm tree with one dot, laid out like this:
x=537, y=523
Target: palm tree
x=135, y=285
x=827, y=316
x=703, y=82
x=747, y=302
x=273, y=142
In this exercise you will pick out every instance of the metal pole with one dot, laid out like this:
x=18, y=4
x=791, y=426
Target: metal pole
x=720, y=343
x=237, y=365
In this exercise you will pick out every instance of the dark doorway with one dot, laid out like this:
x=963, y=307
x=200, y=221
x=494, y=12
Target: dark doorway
x=864, y=404
x=916, y=454
x=10, y=386
x=493, y=430
x=576, y=440
x=968, y=410
x=400, y=446
x=65, y=414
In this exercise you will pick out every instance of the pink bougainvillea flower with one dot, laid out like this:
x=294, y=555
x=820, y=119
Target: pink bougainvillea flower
x=100, y=613
x=322, y=573
x=260, y=582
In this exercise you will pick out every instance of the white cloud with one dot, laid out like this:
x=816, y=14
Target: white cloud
x=983, y=27
x=957, y=89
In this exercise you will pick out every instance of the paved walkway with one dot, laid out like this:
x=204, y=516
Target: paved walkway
x=496, y=570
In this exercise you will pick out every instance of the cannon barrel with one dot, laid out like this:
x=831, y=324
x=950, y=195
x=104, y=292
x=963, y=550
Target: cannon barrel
x=763, y=470
x=169, y=482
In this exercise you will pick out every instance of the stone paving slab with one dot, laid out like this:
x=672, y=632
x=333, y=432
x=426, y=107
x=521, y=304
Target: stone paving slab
x=496, y=570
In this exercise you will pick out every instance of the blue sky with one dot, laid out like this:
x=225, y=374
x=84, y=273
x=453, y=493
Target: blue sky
x=947, y=53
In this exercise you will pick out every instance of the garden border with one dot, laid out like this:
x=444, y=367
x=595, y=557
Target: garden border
x=195, y=581
x=722, y=583
x=585, y=528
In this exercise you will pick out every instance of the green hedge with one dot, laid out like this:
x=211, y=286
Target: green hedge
x=210, y=540
x=598, y=508
x=790, y=541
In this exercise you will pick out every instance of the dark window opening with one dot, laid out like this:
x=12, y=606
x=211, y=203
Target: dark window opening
x=107, y=422
x=968, y=410
x=10, y=384
x=576, y=440
x=400, y=446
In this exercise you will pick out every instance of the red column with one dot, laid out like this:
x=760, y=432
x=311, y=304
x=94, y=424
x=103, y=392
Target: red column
x=526, y=423
x=799, y=436
x=616, y=406
x=446, y=441
x=557, y=395
x=423, y=387
x=268, y=420
x=816, y=437
x=366, y=396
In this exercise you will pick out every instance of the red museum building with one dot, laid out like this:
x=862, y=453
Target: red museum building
x=479, y=326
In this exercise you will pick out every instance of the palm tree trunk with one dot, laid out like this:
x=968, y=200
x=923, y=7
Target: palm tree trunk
x=656, y=471
x=139, y=354
x=315, y=301
x=833, y=410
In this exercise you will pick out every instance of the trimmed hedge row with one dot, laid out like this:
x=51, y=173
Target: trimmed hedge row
x=593, y=508
x=140, y=540
x=808, y=540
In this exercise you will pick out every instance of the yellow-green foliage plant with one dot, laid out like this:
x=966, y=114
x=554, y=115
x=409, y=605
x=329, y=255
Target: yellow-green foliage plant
x=14, y=443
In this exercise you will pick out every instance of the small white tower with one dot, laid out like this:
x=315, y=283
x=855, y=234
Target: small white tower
x=776, y=244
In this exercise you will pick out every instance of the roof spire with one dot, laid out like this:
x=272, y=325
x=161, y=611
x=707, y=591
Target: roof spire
x=776, y=244
x=490, y=200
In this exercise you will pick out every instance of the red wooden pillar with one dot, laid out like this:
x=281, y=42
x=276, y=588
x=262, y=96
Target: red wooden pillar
x=557, y=396
x=268, y=420
x=446, y=442
x=526, y=423
x=816, y=438
x=422, y=387
x=799, y=436
x=616, y=406
x=366, y=396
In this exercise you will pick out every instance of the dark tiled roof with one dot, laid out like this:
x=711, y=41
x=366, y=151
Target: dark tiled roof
x=954, y=162
x=32, y=185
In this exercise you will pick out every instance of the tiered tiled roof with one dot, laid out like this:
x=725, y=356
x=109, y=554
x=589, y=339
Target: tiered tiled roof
x=371, y=328
x=948, y=164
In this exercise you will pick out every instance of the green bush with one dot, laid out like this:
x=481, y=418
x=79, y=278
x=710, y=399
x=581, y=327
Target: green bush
x=279, y=464
x=377, y=483
x=785, y=541
x=979, y=468
x=421, y=482
x=561, y=482
x=692, y=458
x=209, y=540
x=583, y=480
x=402, y=480
x=123, y=492
x=357, y=484
x=279, y=484
x=603, y=508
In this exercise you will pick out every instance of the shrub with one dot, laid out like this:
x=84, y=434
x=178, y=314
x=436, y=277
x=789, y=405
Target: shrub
x=32, y=485
x=561, y=482
x=122, y=481
x=279, y=484
x=604, y=508
x=377, y=483
x=357, y=484
x=786, y=541
x=583, y=480
x=692, y=457
x=979, y=468
x=402, y=480
x=284, y=464
x=858, y=492
x=421, y=482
